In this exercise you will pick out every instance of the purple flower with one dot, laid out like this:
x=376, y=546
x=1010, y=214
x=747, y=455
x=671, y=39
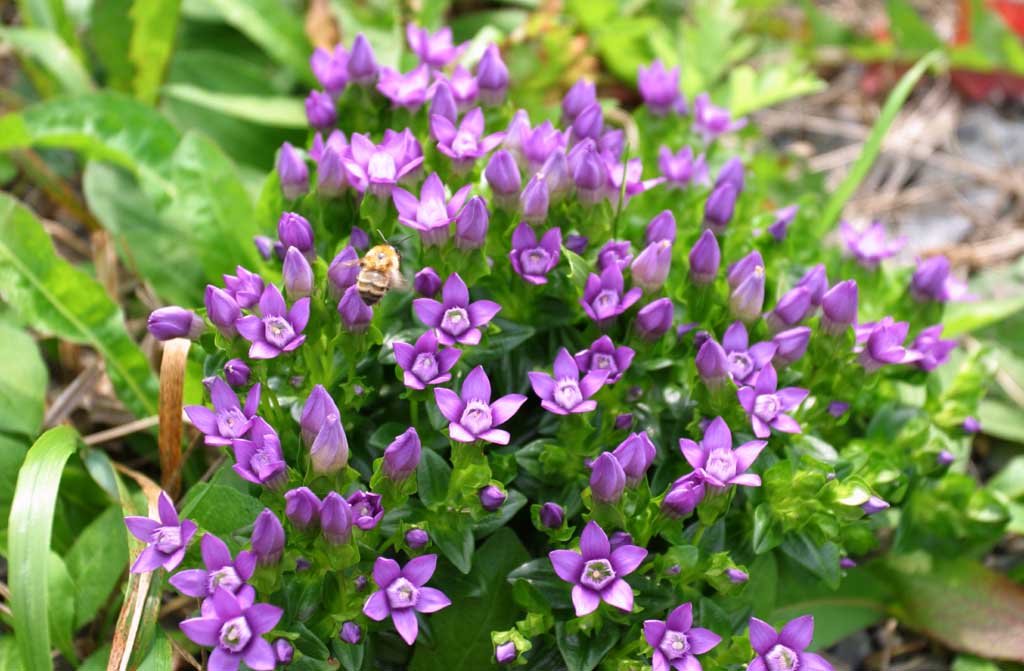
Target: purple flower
x=932, y=282
x=297, y=274
x=655, y=319
x=623, y=421
x=838, y=408
x=427, y=282
x=632, y=174
x=720, y=206
x=464, y=87
x=260, y=460
x=292, y=172
x=566, y=393
x=491, y=498
x=815, y=281
x=552, y=516
x=681, y=169
x=676, y=641
x=429, y=214
x=736, y=576
x=604, y=356
x=471, y=224
x=582, y=94
x=236, y=373
x=330, y=68
x=302, y=507
x=442, y=101
x=607, y=479
x=455, y=318
x=283, y=651
x=589, y=172
x=433, y=49
x=971, y=425
x=279, y=329
x=614, y=253
x=847, y=563
x=492, y=76
x=267, y=538
x=423, y=364
x=221, y=570
x=245, y=287
x=716, y=461
x=745, y=362
x=358, y=238
x=790, y=345
x=881, y=344
x=222, y=310
x=473, y=417
x=533, y=260
x=362, y=64
x=651, y=266
x=408, y=90
x=166, y=538
x=402, y=456
x=535, y=199
x=684, y=496
x=318, y=407
x=933, y=349
x=767, y=405
x=713, y=364
x=343, y=271
x=870, y=246
x=635, y=454
x=402, y=594
x=535, y=144
x=874, y=504
x=367, y=510
x=336, y=519
x=660, y=88
x=783, y=218
x=329, y=451
x=416, y=538
x=555, y=173
x=464, y=144
x=603, y=297
x=661, y=227
x=711, y=121
x=747, y=299
x=294, y=230
x=320, y=110
x=233, y=626
x=740, y=270
x=331, y=178
x=377, y=168
x=228, y=420
x=505, y=653
x=790, y=309
x=264, y=246
x=785, y=650
x=839, y=307
x=705, y=258
x=350, y=633
x=503, y=176
x=596, y=571
x=355, y=314
x=588, y=123
x=174, y=322
x=577, y=244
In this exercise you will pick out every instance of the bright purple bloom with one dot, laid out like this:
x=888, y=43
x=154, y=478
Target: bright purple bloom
x=503, y=176
x=320, y=110
x=790, y=345
x=377, y=168
x=222, y=310
x=713, y=364
x=166, y=538
x=582, y=94
x=464, y=144
x=221, y=570
x=552, y=516
x=297, y=274
x=491, y=498
x=331, y=178
x=785, y=650
x=614, y=253
x=233, y=626
x=874, y=504
x=716, y=461
x=881, y=344
x=279, y=329
x=677, y=642
x=402, y=456
x=228, y=420
x=719, y=207
x=933, y=349
x=684, y=496
x=736, y=576
x=789, y=310
x=245, y=287
x=336, y=519
x=711, y=121
x=454, y=317
x=660, y=88
x=870, y=245
x=655, y=319
x=267, y=538
x=815, y=281
x=740, y=270
x=932, y=282
x=566, y=393
x=632, y=174
x=442, y=101
x=416, y=538
x=607, y=479
x=492, y=76
x=473, y=417
x=839, y=307
x=343, y=271
x=747, y=299
x=433, y=49
x=705, y=258
x=535, y=144
x=174, y=322
x=745, y=361
x=651, y=266
x=427, y=282
x=464, y=87
x=355, y=314
x=302, y=507
x=430, y=214
x=330, y=68
x=471, y=224
x=535, y=199
x=292, y=172
x=604, y=356
x=971, y=425
x=596, y=571
x=661, y=227
x=682, y=168
x=402, y=594
x=367, y=510
x=317, y=408
x=336, y=141
x=362, y=64
x=768, y=405
x=635, y=454
x=350, y=633
x=294, y=230
x=236, y=373
x=589, y=172
x=533, y=260
x=259, y=459
x=603, y=297
x=422, y=364
x=589, y=123
x=783, y=218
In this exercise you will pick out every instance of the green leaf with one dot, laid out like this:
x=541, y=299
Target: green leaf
x=155, y=23
x=432, y=477
x=54, y=297
x=96, y=561
x=111, y=30
x=61, y=611
x=49, y=15
x=453, y=535
x=9, y=658
x=1002, y=420
x=972, y=663
x=52, y=53
x=23, y=379
x=270, y=24
x=751, y=90
x=581, y=652
x=821, y=560
x=1010, y=479
x=160, y=657
x=279, y=111
x=220, y=509
x=767, y=534
x=12, y=454
x=968, y=316
x=30, y=525
x=909, y=30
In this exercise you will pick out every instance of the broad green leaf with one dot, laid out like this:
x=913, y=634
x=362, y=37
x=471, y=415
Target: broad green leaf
x=23, y=379
x=909, y=31
x=10, y=660
x=30, y=524
x=160, y=657
x=1002, y=420
x=52, y=53
x=968, y=316
x=96, y=561
x=154, y=25
x=270, y=24
x=453, y=535
x=54, y=297
x=220, y=509
x=821, y=560
x=432, y=477
x=1010, y=479
x=279, y=111
x=582, y=652
x=111, y=30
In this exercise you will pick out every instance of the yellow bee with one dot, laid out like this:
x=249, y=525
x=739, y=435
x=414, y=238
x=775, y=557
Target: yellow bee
x=379, y=271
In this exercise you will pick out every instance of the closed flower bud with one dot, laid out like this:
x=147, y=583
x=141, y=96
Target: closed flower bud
x=442, y=103
x=283, y=651
x=329, y=452
x=267, y=538
x=293, y=230
x=661, y=227
x=705, y=257
x=685, y=495
x=315, y=411
x=416, y=538
x=331, y=177
x=503, y=176
x=350, y=633
x=402, y=456
x=264, y=246
x=471, y=224
x=236, y=372
x=971, y=425
x=589, y=123
x=790, y=345
x=343, y=272
x=552, y=515
x=736, y=576
x=619, y=538
x=582, y=94
x=839, y=307
x=654, y=319
x=174, y=322
x=838, y=408
x=650, y=267
x=783, y=218
x=222, y=310
x=790, y=309
x=590, y=174
x=719, y=208
x=533, y=201
x=492, y=498
x=362, y=64
x=815, y=281
x=297, y=274
x=427, y=282
x=492, y=77
x=336, y=519
x=301, y=507
x=355, y=314
x=506, y=653
x=635, y=454
x=358, y=238
x=874, y=505
x=945, y=458
x=292, y=172
x=731, y=173
x=320, y=110
x=607, y=479
x=744, y=267
x=747, y=299
x=847, y=563
x=623, y=421
x=577, y=244
x=555, y=172
x=712, y=364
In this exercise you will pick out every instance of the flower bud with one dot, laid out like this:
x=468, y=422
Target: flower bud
x=661, y=227
x=297, y=274
x=971, y=425
x=712, y=364
x=552, y=515
x=358, y=238
x=350, y=633
x=731, y=173
x=492, y=77
x=222, y=310
x=719, y=208
x=582, y=94
x=847, y=563
x=783, y=218
x=267, y=538
x=614, y=252
x=320, y=110
x=174, y=322
x=492, y=498
x=838, y=408
x=839, y=307
x=427, y=282
x=590, y=174
x=747, y=299
x=331, y=178
x=577, y=244
x=650, y=267
x=635, y=454
x=815, y=281
x=329, y=452
x=336, y=519
x=292, y=172
x=355, y=314
x=589, y=123
x=874, y=505
x=619, y=538
x=264, y=246
x=945, y=458
x=623, y=421
x=362, y=64
x=315, y=411
x=236, y=372
x=741, y=269
x=471, y=224
x=685, y=495
x=705, y=257
x=607, y=479
x=930, y=278
x=343, y=271
x=555, y=171
x=503, y=176
x=654, y=319
x=402, y=456
x=283, y=651
x=367, y=510
x=416, y=539
x=790, y=345
x=533, y=201
x=293, y=230
x=506, y=653
x=790, y=309
x=442, y=102
x=736, y=576
x=301, y=507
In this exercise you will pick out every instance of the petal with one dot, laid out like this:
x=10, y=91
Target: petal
x=405, y=203
x=449, y=403
x=482, y=312
x=702, y=640
x=747, y=480
x=226, y=604
x=632, y=296
x=565, y=366
x=263, y=617
x=413, y=382
x=202, y=630
x=767, y=380
x=376, y=607
x=627, y=558
x=762, y=636
x=746, y=453
x=791, y=397
x=405, y=354
x=386, y=571
x=470, y=337
x=654, y=631
x=298, y=316
x=406, y=624
x=553, y=407
x=442, y=129
x=250, y=326
x=432, y=189
x=496, y=436
x=473, y=122
x=431, y=600
x=190, y=583
x=584, y=600
x=428, y=311
x=568, y=565
x=761, y=353
x=215, y=552
x=746, y=397
x=446, y=358
x=252, y=401
x=259, y=656
x=761, y=429
x=542, y=383
x=272, y=302
x=798, y=632
x=222, y=660
x=658, y=661
x=585, y=406
x=458, y=200
x=692, y=452
x=717, y=436
x=202, y=418
x=735, y=337
x=687, y=663
x=141, y=527
x=420, y=569
x=477, y=387
x=594, y=542
x=459, y=433
x=294, y=344
x=619, y=594
x=592, y=382
x=222, y=395
x=245, y=564
x=757, y=664
x=165, y=507
x=263, y=350
x=681, y=619
x=148, y=560
x=524, y=237
x=505, y=407
x=455, y=292
x=786, y=424
x=812, y=662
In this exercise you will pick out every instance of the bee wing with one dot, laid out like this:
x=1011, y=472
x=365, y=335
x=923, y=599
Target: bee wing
x=397, y=280
x=353, y=262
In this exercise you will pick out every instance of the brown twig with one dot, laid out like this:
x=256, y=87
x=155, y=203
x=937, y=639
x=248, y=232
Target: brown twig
x=71, y=397
x=121, y=431
x=55, y=187
x=172, y=383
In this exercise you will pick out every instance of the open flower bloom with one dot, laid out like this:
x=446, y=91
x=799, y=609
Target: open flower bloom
x=660, y=88
x=402, y=594
x=745, y=362
x=244, y=286
x=717, y=462
x=408, y=90
x=681, y=168
x=537, y=144
x=429, y=214
x=234, y=626
x=433, y=49
x=596, y=572
x=221, y=570
x=566, y=393
x=473, y=416
x=422, y=364
x=464, y=144
x=533, y=260
x=228, y=420
x=603, y=355
x=166, y=538
x=632, y=174
x=367, y=509
x=330, y=68
x=278, y=329
x=869, y=246
x=603, y=298
x=933, y=349
x=455, y=318
x=712, y=121
x=259, y=459
x=881, y=344
x=377, y=168
x=767, y=405
x=785, y=650
x=676, y=641
x=932, y=281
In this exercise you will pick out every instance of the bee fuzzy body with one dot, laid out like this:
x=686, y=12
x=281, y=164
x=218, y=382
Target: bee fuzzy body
x=379, y=272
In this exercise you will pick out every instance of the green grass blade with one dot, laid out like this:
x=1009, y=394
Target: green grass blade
x=52, y=54
x=30, y=525
x=155, y=23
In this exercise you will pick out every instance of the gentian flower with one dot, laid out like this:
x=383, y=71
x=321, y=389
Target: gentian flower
x=236, y=373
x=589, y=123
x=473, y=417
x=283, y=651
x=720, y=206
x=492, y=76
x=651, y=266
x=221, y=570
x=971, y=425
x=166, y=539
x=260, y=460
x=682, y=168
x=736, y=576
x=632, y=174
x=740, y=270
x=331, y=178
x=402, y=456
x=596, y=571
x=603, y=355
x=429, y=214
x=533, y=260
x=535, y=199
x=874, y=504
x=279, y=329
x=555, y=173
x=745, y=361
x=416, y=538
x=607, y=479
x=267, y=538
x=660, y=88
x=614, y=253
x=661, y=227
x=245, y=287
x=717, y=462
x=422, y=364
x=705, y=258
x=264, y=246
x=491, y=498
x=329, y=451
x=881, y=344
x=790, y=345
x=747, y=299
x=684, y=496
x=228, y=420
x=433, y=49
x=330, y=68
x=589, y=172
x=427, y=282
x=711, y=121
x=603, y=297
x=343, y=271
x=336, y=519
x=582, y=94
x=471, y=224
x=234, y=626
x=655, y=319
x=870, y=246
x=402, y=594
x=302, y=507
x=838, y=408
x=407, y=90
x=335, y=140
x=442, y=101
x=677, y=642
x=577, y=244
x=503, y=177
x=932, y=282
x=789, y=310
x=455, y=318
x=362, y=64
x=933, y=349
x=297, y=274
x=464, y=87
x=292, y=172
x=505, y=653
x=785, y=650
x=612, y=144
x=464, y=144
x=175, y=322
x=713, y=364
x=731, y=172
x=839, y=307
x=320, y=110
x=222, y=310
x=815, y=281
x=552, y=515
x=355, y=314
x=566, y=393
x=635, y=454
x=367, y=510
x=315, y=411
x=294, y=230
x=350, y=633
x=536, y=144
x=783, y=218
x=377, y=168
x=358, y=238
x=767, y=405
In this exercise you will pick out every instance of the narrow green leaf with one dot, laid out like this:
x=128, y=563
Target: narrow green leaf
x=9, y=658
x=52, y=53
x=49, y=15
x=270, y=24
x=61, y=611
x=12, y=454
x=23, y=379
x=155, y=24
x=278, y=111
x=909, y=30
x=160, y=657
x=111, y=30
x=54, y=297
x=95, y=563
x=968, y=316
x=1002, y=420
x=30, y=525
